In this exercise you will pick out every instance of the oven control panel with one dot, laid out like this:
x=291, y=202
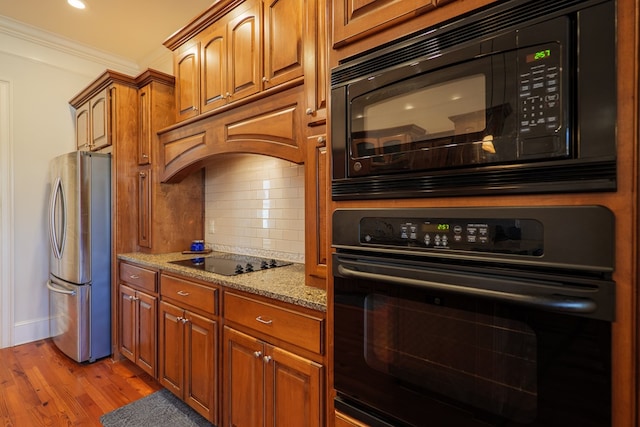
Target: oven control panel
x=506, y=236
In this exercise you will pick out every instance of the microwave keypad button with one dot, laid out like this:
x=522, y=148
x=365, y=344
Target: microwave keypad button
x=457, y=229
x=427, y=239
x=472, y=238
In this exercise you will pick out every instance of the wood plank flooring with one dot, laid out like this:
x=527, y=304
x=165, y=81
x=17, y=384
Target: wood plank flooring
x=40, y=386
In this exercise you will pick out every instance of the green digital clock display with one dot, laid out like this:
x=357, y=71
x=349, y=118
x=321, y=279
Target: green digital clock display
x=536, y=56
x=435, y=227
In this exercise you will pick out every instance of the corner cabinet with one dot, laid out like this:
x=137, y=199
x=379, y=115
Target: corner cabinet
x=272, y=375
x=188, y=343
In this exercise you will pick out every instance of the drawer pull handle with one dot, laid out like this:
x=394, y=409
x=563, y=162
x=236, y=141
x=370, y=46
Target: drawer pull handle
x=257, y=354
x=183, y=293
x=134, y=276
x=267, y=359
x=266, y=322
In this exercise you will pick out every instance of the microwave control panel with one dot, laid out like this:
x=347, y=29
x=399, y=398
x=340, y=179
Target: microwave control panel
x=506, y=236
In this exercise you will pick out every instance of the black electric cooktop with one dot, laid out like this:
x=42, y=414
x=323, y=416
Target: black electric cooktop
x=231, y=264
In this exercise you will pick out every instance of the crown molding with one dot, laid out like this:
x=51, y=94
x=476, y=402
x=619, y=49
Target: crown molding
x=57, y=44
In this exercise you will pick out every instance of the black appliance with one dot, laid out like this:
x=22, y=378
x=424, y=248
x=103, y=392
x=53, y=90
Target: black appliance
x=231, y=264
x=474, y=316
x=516, y=98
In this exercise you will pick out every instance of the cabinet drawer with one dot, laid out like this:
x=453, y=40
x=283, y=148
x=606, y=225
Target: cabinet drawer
x=189, y=293
x=139, y=277
x=296, y=328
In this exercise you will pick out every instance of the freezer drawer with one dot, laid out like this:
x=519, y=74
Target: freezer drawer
x=69, y=322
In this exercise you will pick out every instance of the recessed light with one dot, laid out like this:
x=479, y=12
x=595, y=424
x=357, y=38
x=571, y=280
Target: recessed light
x=78, y=4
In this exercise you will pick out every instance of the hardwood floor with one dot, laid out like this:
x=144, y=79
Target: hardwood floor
x=40, y=386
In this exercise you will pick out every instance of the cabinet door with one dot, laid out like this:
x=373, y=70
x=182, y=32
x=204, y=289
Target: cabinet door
x=283, y=41
x=316, y=180
x=186, y=67
x=243, y=380
x=294, y=393
x=144, y=125
x=144, y=207
x=244, y=56
x=201, y=365
x=171, y=373
x=213, y=74
x=147, y=316
x=82, y=127
x=127, y=323
x=315, y=61
x=100, y=115
x=354, y=19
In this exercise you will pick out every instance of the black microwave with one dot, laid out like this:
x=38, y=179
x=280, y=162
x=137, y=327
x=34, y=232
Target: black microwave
x=517, y=98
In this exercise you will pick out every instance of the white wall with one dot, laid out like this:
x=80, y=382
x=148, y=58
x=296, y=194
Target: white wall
x=43, y=74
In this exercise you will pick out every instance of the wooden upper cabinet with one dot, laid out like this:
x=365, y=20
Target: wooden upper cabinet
x=145, y=136
x=315, y=61
x=186, y=66
x=243, y=57
x=92, y=122
x=355, y=19
x=283, y=41
x=237, y=49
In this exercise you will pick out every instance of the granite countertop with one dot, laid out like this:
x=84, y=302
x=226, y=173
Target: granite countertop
x=283, y=283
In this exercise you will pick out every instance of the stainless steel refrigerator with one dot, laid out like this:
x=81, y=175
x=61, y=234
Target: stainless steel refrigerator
x=80, y=255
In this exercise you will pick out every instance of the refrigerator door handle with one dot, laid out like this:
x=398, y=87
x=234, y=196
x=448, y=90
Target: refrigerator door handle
x=53, y=288
x=57, y=244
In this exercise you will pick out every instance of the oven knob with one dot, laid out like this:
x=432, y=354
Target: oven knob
x=239, y=269
x=248, y=267
x=264, y=265
x=357, y=166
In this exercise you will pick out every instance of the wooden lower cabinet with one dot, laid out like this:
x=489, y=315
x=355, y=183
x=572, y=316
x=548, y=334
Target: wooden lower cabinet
x=188, y=358
x=138, y=319
x=267, y=386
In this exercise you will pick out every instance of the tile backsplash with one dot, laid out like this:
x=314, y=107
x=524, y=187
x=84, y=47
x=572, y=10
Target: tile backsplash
x=254, y=205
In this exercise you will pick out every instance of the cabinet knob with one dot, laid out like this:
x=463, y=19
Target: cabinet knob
x=257, y=354
x=309, y=111
x=228, y=95
x=142, y=174
x=265, y=79
x=145, y=156
x=183, y=293
x=322, y=141
x=134, y=276
x=267, y=359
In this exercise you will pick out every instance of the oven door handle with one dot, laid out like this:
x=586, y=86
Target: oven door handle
x=557, y=303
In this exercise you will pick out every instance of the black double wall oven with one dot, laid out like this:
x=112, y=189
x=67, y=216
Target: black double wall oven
x=477, y=316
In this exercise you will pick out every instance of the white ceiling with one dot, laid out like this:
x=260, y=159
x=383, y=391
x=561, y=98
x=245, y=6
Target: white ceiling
x=130, y=29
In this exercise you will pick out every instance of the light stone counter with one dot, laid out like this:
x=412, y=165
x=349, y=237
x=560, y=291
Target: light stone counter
x=283, y=283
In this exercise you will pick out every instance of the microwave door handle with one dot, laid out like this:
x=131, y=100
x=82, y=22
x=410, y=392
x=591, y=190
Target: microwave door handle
x=57, y=245
x=563, y=304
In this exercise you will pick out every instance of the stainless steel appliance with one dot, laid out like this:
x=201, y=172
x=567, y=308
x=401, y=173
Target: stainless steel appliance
x=80, y=255
x=517, y=98
x=474, y=316
x=231, y=264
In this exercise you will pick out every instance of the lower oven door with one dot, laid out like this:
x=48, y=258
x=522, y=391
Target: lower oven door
x=420, y=352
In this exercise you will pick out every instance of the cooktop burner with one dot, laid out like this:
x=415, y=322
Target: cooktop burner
x=231, y=265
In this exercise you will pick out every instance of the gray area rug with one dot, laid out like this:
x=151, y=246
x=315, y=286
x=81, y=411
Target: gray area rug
x=159, y=409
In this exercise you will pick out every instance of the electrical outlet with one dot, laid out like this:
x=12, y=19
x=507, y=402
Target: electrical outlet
x=212, y=226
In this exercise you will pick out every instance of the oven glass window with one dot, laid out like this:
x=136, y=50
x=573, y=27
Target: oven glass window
x=475, y=357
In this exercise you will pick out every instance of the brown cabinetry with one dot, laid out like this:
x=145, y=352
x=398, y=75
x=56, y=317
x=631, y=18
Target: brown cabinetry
x=235, y=50
x=169, y=217
x=316, y=192
x=267, y=381
x=357, y=19
x=138, y=316
x=101, y=111
x=188, y=347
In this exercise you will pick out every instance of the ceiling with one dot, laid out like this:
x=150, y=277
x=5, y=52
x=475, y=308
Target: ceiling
x=130, y=29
